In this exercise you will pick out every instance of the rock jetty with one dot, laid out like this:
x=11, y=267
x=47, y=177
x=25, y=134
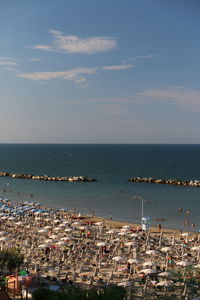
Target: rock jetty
x=48, y=178
x=191, y=183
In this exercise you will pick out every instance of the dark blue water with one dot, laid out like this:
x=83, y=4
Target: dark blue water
x=111, y=165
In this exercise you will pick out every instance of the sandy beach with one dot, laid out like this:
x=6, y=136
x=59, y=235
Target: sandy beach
x=67, y=248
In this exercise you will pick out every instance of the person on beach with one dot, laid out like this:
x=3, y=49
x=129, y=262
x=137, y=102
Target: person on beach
x=159, y=227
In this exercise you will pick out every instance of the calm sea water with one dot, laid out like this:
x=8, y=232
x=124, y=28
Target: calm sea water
x=111, y=165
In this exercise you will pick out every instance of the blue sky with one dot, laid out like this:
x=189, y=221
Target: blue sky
x=108, y=71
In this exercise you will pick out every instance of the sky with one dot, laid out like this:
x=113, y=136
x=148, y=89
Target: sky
x=100, y=71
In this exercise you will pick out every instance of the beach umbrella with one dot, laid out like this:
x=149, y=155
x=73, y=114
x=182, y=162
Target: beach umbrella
x=165, y=249
x=165, y=274
x=3, y=233
x=11, y=218
x=151, y=252
x=126, y=227
x=101, y=244
x=149, y=264
x=124, y=283
x=47, y=219
x=148, y=271
x=66, y=222
x=57, y=229
x=61, y=243
x=42, y=231
x=65, y=238
x=134, y=261
x=82, y=227
x=98, y=223
x=122, y=233
x=129, y=243
x=49, y=241
x=196, y=248
x=48, y=227
x=134, y=235
x=56, y=220
x=184, y=263
x=118, y=258
x=68, y=230
x=111, y=231
x=53, y=236
x=62, y=225
x=43, y=246
x=4, y=238
x=165, y=283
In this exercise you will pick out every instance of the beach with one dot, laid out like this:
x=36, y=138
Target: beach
x=67, y=248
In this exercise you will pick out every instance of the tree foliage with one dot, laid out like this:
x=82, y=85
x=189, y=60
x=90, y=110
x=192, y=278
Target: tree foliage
x=10, y=260
x=108, y=293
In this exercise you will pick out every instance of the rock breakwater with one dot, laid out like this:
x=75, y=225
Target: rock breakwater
x=191, y=183
x=48, y=178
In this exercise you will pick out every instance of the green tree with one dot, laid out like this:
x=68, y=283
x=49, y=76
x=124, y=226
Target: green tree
x=10, y=260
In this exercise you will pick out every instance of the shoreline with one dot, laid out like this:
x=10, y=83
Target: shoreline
x=116, y=223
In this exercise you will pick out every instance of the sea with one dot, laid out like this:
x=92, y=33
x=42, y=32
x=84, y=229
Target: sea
x=111, y=196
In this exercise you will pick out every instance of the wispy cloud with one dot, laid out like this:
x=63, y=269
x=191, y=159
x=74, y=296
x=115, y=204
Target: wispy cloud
x=76, y=75
x=113, y=109
x=117, y=67
x=182, y=96
x=34, y=59
x=8, y=61
x=140, y=58
x=76, y=44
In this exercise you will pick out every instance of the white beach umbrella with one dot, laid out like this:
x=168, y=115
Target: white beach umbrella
x=98, y=223
x=43, y=246
x=165, y=249
x=47, y=219
x=49, y=241
x=66, y=238
x=61, y=243
x=82, y=227
x=42, y=231
x=151, y=252
x=196, y=248
x=165, y=274
x=101, y=244
x=118, y=258
x=53, y=236
x=57, y=229
x=165, y=283
x=68, y=230
x=4, y=238
x=148, y=271
x=197, y=266
x=56, y=220
x=129, y=243
x=19, y=223
x=48, y=227
x=11, y=218
x=134, y=261
x=3, y=233
x=62, y=225
x=66, y=222
x=126, y=227
x=122, y=233
x=186, y=234
x=111, y=231
x=124, y=283
x=134, y=235
x=149, y=264
x=184, y=263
